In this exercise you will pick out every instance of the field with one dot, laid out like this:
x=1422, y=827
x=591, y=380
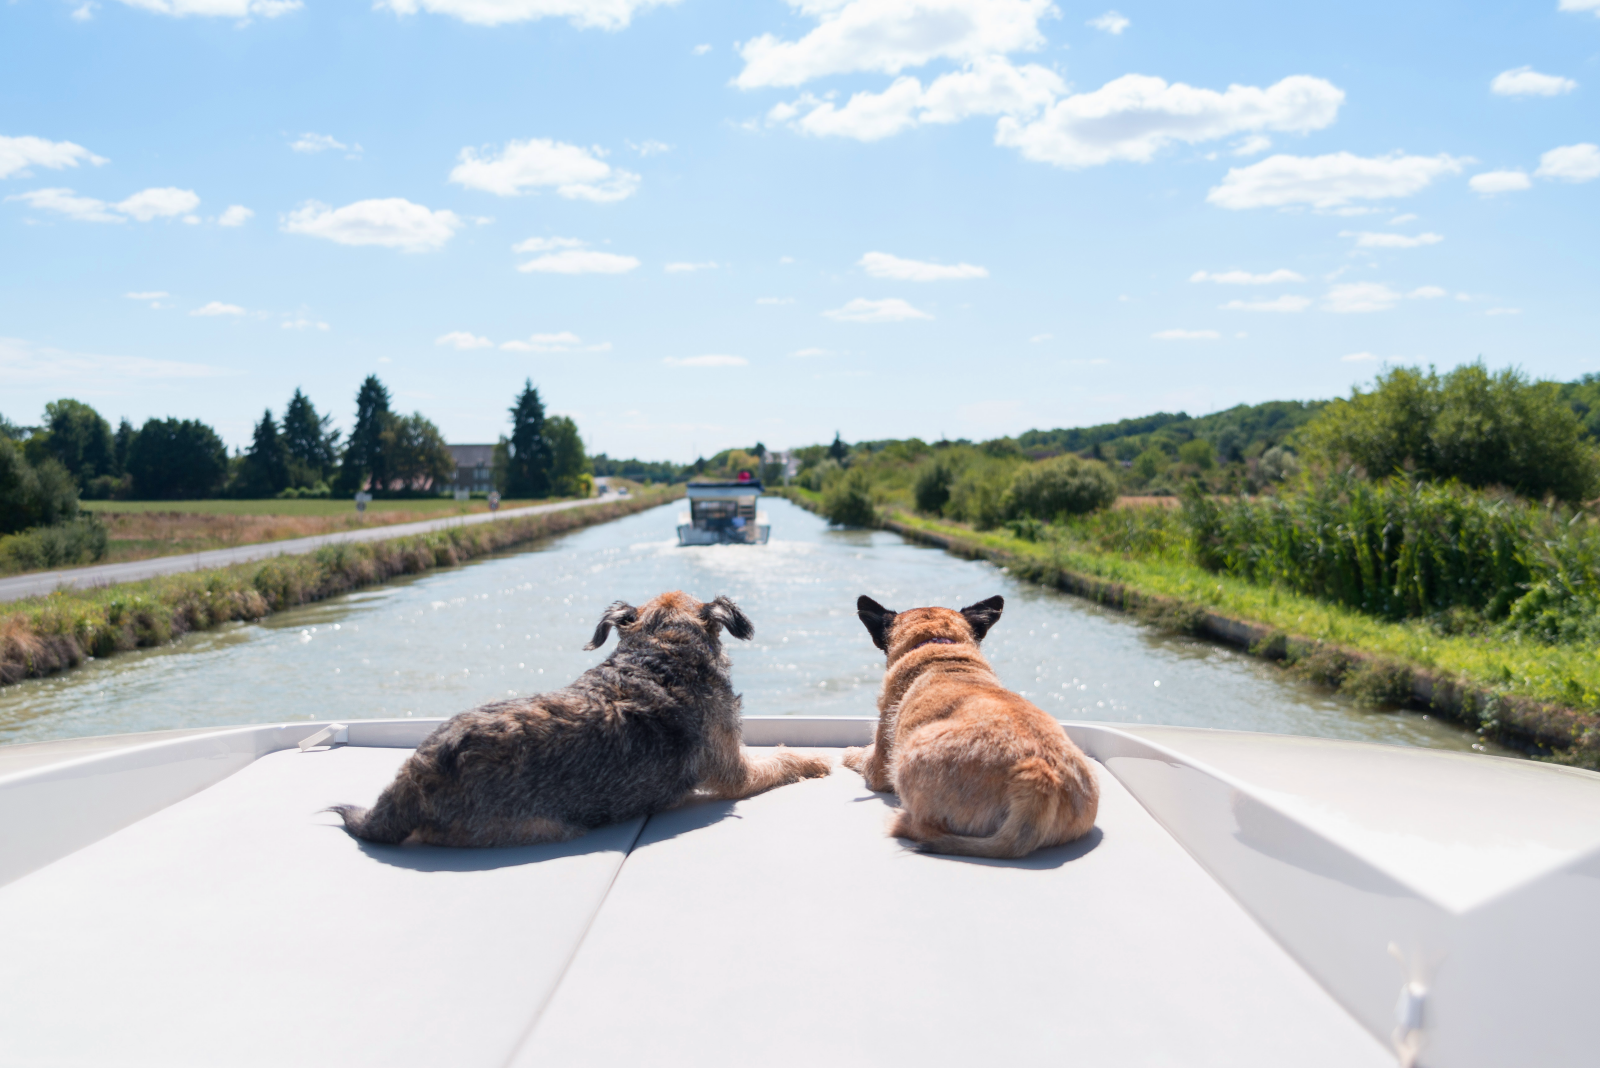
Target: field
x=426, y=508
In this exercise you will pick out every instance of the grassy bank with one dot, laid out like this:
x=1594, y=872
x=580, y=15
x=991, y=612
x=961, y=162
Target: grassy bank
x=43, y=635
x=1518, y=690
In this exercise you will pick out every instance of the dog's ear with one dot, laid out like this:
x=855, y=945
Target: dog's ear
x=724, y=613
x=620, y=614
x=877, y=619
x=983, y=615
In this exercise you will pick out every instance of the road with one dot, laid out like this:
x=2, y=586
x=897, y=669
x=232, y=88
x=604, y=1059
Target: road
x=82, y=578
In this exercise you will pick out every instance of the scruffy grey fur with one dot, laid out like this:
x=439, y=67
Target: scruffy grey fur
x=652, y=723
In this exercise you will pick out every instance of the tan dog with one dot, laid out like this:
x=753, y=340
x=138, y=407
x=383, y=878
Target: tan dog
x=980, y=771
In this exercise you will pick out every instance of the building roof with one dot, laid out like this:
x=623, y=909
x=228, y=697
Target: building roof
x=472, y=455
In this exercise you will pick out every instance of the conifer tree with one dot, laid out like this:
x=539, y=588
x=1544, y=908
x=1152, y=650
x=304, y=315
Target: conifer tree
x=311, y=446
x=528, y=467
x=266, y=464
x=363, y=455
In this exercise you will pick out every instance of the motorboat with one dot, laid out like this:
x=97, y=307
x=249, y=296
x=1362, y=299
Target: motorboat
x=181, y=899
x=724, y=513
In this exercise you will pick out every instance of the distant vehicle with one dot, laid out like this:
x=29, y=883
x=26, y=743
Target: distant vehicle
x=724, y=513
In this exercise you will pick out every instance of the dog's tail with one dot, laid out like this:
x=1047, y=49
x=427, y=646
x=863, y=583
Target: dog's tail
x=395, y=815
x=1045, y=805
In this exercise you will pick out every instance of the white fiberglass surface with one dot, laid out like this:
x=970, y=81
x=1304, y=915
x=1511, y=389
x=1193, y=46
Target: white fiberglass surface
x=1458, y=828
x=516, y=624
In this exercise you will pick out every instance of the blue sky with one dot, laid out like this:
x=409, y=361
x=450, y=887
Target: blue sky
x=697, y=224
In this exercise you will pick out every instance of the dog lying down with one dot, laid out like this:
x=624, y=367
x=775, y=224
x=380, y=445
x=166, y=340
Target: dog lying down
x=654, y=722
x=979, y=770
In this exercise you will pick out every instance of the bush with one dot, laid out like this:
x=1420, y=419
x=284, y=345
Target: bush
x=33, y=495
x=932, y=489
x=978, y=495
x=1198, y=452
x=848, y=501
x=1061, y=486
x=79, y=541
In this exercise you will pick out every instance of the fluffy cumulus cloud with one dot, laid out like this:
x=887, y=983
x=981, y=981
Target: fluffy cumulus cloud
x=861, y=310
x=883, y=265
x=1525, y=81
x=1358, y=297
x=236, y=215
x=66, y=202
x=216, y=308
x=526, y=166
x=164, y=203
x=1571, y=163
x=232, y=9
x=312, y=143
x=1133, y=117
x=1330, y=181
x=568, y=255
x=888, y=36
x=1592, y=6
x=393, y=222
x=1245, y=278
x=565, y=341
x=711, y=360
x=1284, y=303
x=463, y=340
x=584, y=14
x=1491, y=182
x=17, y=154
x=1110, y=22
x=145, y=205
x=1369, y=239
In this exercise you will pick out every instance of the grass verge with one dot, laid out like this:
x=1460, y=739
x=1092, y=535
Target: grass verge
x=1525, y=694
x=43, y=635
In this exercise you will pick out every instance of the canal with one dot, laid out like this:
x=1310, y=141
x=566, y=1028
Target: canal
x=516, y=624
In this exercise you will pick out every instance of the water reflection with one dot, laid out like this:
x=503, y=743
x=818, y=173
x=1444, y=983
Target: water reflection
x=516, y=624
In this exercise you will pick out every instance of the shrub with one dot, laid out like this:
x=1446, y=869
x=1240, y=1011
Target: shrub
x=33, y=495
x=1198, y=452
x=978, y=495
x=78, y=541
x=932, y=489
x=848, y=501
x=1061, y=486
x=1149, y=463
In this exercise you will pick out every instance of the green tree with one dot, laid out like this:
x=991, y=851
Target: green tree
x=265, y=470
x=569, y=464
x=414, y=452
x=1064, y=485
x=78, y=437
x=120, y=445
x=1199, y=452
x=932, y=488
x=312, y=447
x=838, y=450
x=363, y=454
x=848, y=500
x=176, y=460
x=528, y=464
x=33, y=495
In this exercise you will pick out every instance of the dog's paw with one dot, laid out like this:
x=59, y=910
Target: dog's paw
x=804, y=765
x=854, y=757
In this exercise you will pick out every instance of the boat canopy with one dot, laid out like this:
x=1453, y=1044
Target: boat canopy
x=713, y=491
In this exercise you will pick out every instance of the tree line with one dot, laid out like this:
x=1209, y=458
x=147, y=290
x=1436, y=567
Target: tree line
x=74, y=453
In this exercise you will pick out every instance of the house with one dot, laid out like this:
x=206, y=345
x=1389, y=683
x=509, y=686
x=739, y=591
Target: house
x=474, y=467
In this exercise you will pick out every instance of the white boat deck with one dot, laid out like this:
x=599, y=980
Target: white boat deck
x=239, y=926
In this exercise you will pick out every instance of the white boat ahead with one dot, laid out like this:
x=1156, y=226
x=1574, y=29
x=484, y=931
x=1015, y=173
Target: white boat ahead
x=1246, y=900
x=723, y=513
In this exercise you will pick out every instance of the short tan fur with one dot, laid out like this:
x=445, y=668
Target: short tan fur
x=979, y=770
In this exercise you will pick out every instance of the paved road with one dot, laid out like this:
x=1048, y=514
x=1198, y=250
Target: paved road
x=41, y=582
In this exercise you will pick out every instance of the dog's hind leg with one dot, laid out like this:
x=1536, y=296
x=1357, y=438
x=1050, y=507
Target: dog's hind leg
x=754, y=774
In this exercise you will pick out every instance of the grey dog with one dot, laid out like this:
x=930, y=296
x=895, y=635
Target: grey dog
x=654, y=722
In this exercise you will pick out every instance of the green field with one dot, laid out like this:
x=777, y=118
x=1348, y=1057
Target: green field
x=302, y=506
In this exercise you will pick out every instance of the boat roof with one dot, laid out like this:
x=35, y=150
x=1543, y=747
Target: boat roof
x=714, y=490
x=183, y=900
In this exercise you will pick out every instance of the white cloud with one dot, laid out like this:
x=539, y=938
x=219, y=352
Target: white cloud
x=236, y=215
x=1571, y=163
x=705, y=361
x=565, y=341
x=154, y=294
x=163, y=203
x=1186, y=335
x=701, y=49
x=688, y=268
x=889, y=36
x=233, y=9
x=390, y=223
x=463, y=340
x=568, y=255
x=650, y=148
x=1353, y=297
x=584, y=14
x=1491, y=182
x=1285, y=303
x=774, y=300
x=1581, y=5
x=84, y=11
x=574, y=172
x=805, y=354
x=1328, y=181
x=19, y=153
x=1357, y=357
x=1110, y=22
x=1525, y=81
x=1245, y=278
x=883, y=265
x=1503, y=311
x=66, y=202
x=1428, y=293
x=1370, y=239
x=303, y=324
x=1399, y=219
x=315, y=142
x=861, y=310
x=1253, y=145
x=1133, y=117
x=216, y=307
x=24, y=363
